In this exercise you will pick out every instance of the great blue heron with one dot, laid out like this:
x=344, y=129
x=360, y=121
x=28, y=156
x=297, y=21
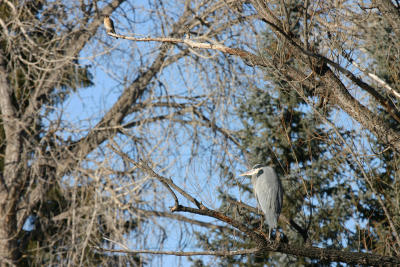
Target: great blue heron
x=268, y=191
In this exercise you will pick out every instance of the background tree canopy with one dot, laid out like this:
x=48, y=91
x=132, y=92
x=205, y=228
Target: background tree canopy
x=113, y=150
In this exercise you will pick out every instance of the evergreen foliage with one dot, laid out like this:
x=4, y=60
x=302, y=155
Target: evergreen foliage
x=326, y=192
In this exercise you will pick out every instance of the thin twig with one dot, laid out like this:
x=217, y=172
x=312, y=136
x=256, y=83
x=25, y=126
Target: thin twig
x=143, y=166
x=168, y=182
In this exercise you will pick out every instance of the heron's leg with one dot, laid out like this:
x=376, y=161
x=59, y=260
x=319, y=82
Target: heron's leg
x=269, y=232
x=278, y=236
x=261, y=223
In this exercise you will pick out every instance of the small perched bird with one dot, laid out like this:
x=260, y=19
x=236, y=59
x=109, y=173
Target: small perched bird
x=109, y=25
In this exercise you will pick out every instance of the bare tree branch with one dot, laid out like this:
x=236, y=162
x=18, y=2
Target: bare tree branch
x=184, y=253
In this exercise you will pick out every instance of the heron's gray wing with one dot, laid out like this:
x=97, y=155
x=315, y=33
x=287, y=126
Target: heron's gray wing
x=267, y=204
x=277, y=191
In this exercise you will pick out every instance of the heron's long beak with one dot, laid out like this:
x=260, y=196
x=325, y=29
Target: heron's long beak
x=250, y=172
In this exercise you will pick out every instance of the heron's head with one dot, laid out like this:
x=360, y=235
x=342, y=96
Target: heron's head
x=256, y=168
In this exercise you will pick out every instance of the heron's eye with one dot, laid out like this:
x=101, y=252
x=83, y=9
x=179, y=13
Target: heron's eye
x=260, y=172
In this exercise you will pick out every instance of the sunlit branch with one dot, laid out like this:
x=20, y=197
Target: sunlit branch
x=184, y=253
x=291, y=222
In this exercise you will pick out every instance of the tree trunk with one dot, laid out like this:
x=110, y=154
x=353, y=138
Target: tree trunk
x=9, y=253
x=10, y=183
